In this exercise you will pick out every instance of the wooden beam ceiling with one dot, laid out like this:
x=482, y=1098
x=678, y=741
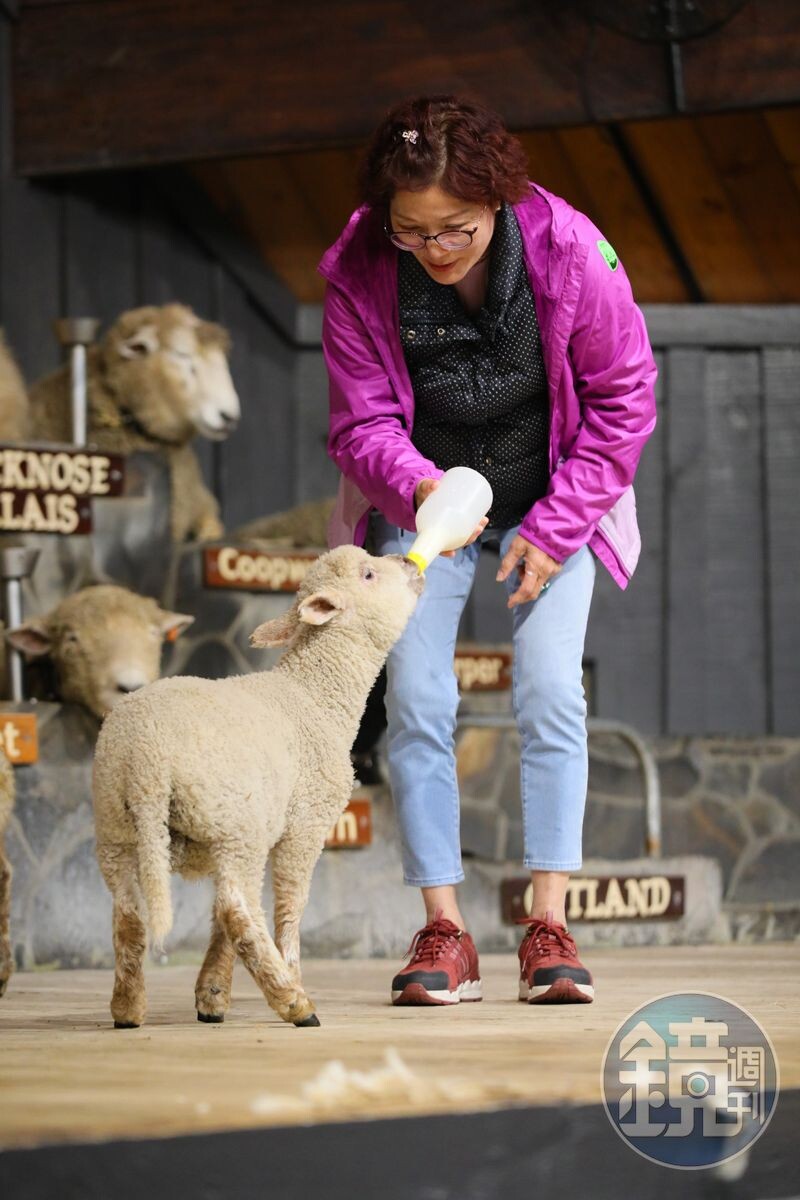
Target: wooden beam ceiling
x=729, y=198
x=99, y=85
x=701, y=208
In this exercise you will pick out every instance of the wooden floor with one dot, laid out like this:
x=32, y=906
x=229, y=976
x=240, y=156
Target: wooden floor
x=66, y=1075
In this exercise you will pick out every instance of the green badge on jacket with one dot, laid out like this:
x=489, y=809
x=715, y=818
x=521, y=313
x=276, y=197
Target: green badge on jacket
x=609, y=253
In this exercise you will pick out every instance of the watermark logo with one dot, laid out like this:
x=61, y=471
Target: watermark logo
x=690, y=1080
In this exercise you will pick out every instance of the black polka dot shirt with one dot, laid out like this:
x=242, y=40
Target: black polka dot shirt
x=479, y=382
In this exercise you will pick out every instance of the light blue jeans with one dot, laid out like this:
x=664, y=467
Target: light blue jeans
x=548, y=701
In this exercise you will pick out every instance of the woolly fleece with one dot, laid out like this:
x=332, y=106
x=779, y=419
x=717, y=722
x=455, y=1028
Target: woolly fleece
x=208, y=777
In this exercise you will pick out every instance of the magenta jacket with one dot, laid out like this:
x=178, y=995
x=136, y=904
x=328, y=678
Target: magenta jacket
x=600, y=375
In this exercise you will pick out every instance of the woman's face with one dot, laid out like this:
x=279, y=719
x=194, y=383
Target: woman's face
x=434, y=211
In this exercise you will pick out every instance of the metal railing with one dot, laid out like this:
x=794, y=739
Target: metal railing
x=596, y=725
x=16, y=564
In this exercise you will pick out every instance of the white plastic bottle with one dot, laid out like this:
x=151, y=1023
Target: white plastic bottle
x=448, y=515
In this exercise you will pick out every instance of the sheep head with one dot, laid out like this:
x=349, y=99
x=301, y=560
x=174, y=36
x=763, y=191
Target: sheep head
x=104, y=642
x=168, y=372
x=371, y=597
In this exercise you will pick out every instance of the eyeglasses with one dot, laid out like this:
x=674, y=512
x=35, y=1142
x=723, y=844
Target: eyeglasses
x=450, y=239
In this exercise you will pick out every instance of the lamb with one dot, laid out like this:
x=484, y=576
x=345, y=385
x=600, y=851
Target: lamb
x=101, y=642
x=6, y=805
x=13, y=398
x=158, y=377
x=210, y=777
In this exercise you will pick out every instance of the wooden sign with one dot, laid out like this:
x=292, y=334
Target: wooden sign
x=50, y=490
x=19, y=740
x=604, y=897
x=482, y=670
x=354, y=827
x=255, y=570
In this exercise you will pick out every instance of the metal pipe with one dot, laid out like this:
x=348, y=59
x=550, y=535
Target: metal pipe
x=77, y=371
x=649, y=769
x=75, y=334
x=647, y=764
x=16, y=564
x=14, y=618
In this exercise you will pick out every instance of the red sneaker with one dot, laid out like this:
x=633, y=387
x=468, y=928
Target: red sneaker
x=443, y=968
x=550, y=970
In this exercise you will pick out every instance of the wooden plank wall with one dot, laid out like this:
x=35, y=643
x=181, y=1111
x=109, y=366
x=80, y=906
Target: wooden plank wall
x=706, y=639
x=707, y=636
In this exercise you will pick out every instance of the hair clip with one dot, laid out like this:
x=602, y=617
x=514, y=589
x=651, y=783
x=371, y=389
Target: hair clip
x=411, y=135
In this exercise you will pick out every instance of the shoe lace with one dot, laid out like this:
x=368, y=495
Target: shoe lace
x=545, y=936
x=434, y=940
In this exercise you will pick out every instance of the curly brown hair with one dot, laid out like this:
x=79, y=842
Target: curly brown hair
x=461, y=146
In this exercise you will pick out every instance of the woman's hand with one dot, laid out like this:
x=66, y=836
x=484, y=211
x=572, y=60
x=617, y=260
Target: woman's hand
x=423, y=490
x=534, y=567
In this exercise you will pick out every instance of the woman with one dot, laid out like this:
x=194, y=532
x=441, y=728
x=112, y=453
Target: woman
x=471, y=318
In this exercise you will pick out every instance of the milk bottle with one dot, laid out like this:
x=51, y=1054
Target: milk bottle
x=447, y=517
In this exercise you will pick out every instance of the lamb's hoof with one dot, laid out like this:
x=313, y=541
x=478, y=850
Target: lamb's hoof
x=126, y=1024
x=211, y=1018
x=3, y=986
x=308, y=1022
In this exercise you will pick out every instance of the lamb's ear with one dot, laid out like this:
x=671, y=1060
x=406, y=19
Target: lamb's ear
x=32, y=638
x=318, y=608
x=173, y=624
x=143, y=341
x=278, y=632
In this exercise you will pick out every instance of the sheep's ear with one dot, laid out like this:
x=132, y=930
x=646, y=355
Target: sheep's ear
x=278, y=632
x=172, y=624
x=143, y=341
x=215, y=336
x=32, y=638
x=318, y=608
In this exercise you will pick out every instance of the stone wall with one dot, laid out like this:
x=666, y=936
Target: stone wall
x=736, y=800
x=730, y=822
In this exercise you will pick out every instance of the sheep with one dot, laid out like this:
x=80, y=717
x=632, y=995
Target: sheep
x=157, y=378
x=13, y=398
x=102, y=643
x=6, y=805
x=300, y=527
x=212, y=777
